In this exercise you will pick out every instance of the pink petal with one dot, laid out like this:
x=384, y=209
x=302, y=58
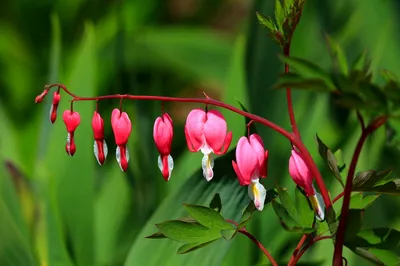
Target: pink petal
x=121, y=125
x=242, y=181
x=194, y=127
x=71, y=120
x=246, y=159
x=163, y=134
x=299, y=172
x=98, y=126
x=258, y=147
x=215, y=130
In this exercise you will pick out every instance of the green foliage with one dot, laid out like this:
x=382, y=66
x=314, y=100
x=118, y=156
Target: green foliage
x=330, y=159
x=287, y=15
x=294, y=217
x=377, y=182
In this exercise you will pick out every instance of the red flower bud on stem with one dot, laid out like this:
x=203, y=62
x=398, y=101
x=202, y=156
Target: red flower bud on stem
x=72, y=121
x=122, y=127
x=100, y=145
x=54, y=106
x=163, y=133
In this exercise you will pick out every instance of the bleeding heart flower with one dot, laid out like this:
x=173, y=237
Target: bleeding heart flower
x=122, y=127
x=100, y=145
x=72, y=121
x=207, y=132
x=163, y=133
x=250, y=166
x=303, y=177
x=54, y=106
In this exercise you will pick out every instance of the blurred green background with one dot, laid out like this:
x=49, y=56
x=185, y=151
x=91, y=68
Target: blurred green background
x=60, y=210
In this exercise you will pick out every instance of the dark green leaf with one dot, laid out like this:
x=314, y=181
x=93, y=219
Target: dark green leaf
x=309, y=69
x=216, y=203
x=331, y=220
x=361, y=63
x=207, y=217
x=188, y=232
x=305, y=215
x=156, y=236
x=339, y=160
x=388, y=75
x=338, y=56
x=329, y=159
x=374, y=94
x=361, y=201
x=354, y=223
x=192, y=247
x=377, y=182
x=352, y=101
x=377, y=245
x=295, y=81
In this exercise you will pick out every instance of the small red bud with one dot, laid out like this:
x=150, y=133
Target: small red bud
x=121, y=125
x=54, y=106
x=72, y=121
x=40, y=97
x=100, y=146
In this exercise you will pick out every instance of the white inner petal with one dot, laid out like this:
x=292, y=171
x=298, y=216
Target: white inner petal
x=118, y=156
x=105, y=149
x=160, y=164
x=51, y=111
x=69, y=144
x=207, y=164
x=320, y=206
x=96, y=153
x=257, y=194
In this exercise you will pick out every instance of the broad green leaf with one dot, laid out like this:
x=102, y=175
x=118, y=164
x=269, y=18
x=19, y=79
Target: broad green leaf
x=287, y=221
x=388, y=75
x=331, y=220
x=279, y=15
x=361, y=201
x=228, y=234
x=376, y=182
x=196, y=191
x=287, y=202
x=329, y=159
x=378, y=245
x=354, y=223
x=216, y=203
x=305, y=215
x=188, y=232
x=207, y=217
x=192, y=247
x=361, y=63
x=338, y=55
x=308, y=69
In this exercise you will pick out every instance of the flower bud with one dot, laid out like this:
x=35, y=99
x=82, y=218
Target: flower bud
x=100, y=145
x=163, y=134
x=122, y=127
x=72, y=121
x=54, y=106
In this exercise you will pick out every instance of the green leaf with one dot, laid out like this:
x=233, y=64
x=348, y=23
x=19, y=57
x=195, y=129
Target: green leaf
x=295, y=81
x=287, y=221
x=374, y=94
x=287, y=202
x=216, y=203
x=267, y=22
x=354, y=223
x=192, y=247
x=378, y=245
x=229, y=234
x=309, y=69
x=195, y=190
x=279, y=15
x=338, y=56
x=187, y=232
x=339, y=160
x=156, y=235
x=331, y=220
x=388, y=75
x=207, y=217
x=377, y=182
x=305, y=215
x=361, y=201
x=329, y=159
x=361, y=63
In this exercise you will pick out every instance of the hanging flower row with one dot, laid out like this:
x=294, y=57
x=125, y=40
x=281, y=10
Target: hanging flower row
x=205, y=131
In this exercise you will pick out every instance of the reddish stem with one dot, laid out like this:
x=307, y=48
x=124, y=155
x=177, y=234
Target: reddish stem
x=338, y=197
x=298, y=247
x=302, y=251
x=337, y=256
x=259, y=245
x=286, y=52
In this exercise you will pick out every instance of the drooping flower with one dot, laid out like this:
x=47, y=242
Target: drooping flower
x=207, y=132
x=122, y=127
x=72, y=121
x=54, y=106
x=163, y=134
x=100, y=145
x=303, y=177
x=250, y=166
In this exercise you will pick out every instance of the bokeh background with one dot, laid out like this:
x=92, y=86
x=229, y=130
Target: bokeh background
x=60, y=210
